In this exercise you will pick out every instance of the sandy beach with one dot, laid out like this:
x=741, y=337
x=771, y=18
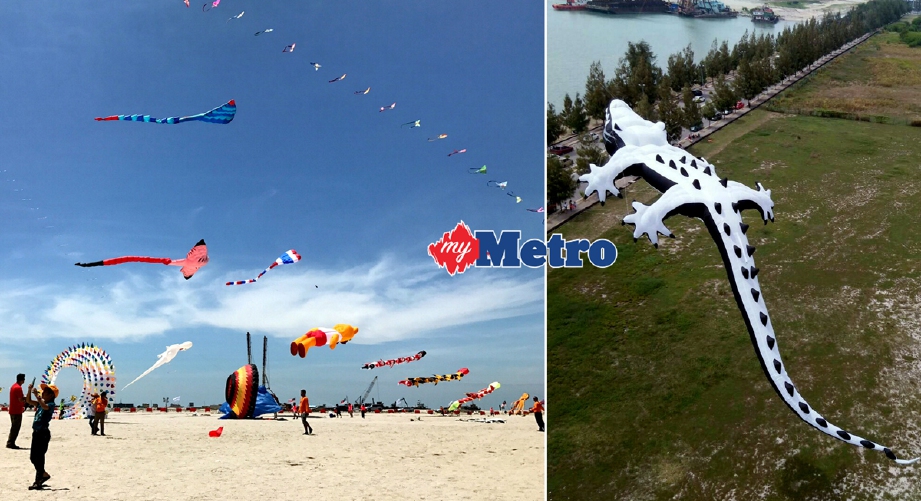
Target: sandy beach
x=385, y=456
x=809, y=11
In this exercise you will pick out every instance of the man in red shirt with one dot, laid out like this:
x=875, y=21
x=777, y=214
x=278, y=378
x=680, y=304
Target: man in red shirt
x=304, y=409
x=17, y=407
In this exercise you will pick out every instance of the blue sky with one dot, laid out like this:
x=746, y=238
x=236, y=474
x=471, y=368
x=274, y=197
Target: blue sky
x=305, y=164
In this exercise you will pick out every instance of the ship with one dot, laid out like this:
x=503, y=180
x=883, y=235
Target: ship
x=627, y=6
x=705, y=8
x=570, y=5
x=764, y=15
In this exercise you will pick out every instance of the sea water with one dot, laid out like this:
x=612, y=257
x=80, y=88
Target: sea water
x=576, y=39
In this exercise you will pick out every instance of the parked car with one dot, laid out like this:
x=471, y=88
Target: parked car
x=697, y=127
x=699, y=99
x=716, y=116
x=560, y=149
x=740, y=105
x=697, y=92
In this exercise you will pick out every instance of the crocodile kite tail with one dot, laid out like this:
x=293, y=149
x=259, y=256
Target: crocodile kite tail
x=740, y=267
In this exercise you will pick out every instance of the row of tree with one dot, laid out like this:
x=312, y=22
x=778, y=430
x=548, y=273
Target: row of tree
x=753, y=64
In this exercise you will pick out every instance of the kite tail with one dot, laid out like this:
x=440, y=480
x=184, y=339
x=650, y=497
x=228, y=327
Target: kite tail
x=127, y=259
x=743, y=276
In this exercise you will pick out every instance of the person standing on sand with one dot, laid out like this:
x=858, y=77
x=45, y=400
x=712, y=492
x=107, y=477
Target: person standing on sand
x=101, y=402
x=502, y=407
x=363, y=410
x=41, y=435
x=538, y=410
x=304, y=409
x=91, y=414
x=17, y=407
x=351, y=409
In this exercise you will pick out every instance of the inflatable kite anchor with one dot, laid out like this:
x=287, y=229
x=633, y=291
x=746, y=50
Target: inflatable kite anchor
x=319, y=336
x=690, y=187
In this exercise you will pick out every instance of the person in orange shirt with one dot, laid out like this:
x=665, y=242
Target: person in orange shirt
x=538, y=410
x=304, y=409
x=101, y=402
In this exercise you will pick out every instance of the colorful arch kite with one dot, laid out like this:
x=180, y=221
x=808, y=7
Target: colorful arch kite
x=97, y=370
x=319, y=336
x=394, y=361
x=416, y=381
x=223, y=114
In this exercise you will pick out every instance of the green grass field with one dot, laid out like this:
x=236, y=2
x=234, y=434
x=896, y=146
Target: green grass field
x=654, y=388
x=879, y=81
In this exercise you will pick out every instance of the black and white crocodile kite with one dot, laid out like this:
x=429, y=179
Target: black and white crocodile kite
x=691, y=187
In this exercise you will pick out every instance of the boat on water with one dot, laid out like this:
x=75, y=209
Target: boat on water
x=627, y=6
x=764, y=14
x=570, y=5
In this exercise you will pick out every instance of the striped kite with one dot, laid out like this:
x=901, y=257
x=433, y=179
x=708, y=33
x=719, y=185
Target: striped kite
x=338, y=78
x=538, y=210
x=440, y=136
x=394, y=361
x=196, y=258
x=221, y=115
x=457, y=152
x=363, y=92
x=289, y=257
x=474, y=396
x=416, y=381
x=392, y=106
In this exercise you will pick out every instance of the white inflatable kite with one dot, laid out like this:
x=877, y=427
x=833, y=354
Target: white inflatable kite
x=163, y=358
x=691, y=187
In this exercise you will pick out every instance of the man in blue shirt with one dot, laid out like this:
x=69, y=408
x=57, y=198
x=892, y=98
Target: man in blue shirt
x=41, y=435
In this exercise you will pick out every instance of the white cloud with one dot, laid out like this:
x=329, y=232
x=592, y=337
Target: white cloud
x=388, y=301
